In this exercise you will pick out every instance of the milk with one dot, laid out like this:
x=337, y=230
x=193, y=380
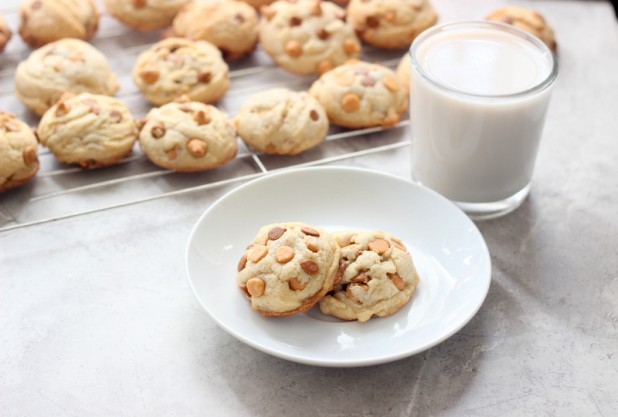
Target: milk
x=479, y=95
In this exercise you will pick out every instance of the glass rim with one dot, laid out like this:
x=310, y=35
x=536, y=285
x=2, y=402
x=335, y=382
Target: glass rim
x=502, y=27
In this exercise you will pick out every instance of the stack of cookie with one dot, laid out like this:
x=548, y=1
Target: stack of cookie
x=187, y=72
x=353, y=275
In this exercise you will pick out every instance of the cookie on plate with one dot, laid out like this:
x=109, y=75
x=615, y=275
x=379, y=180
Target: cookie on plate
x=391, y=23
x=178, y=67
x=360, y=94
x=307, y=36
x=287, y=268
x=280, y=121
x=403, y=70
x=45, y=21
x=529, y=20
x=18, y=152
x=67, y=65
x=88, y=129
x=189, y=136
x=378, y=276
x=5, y=33
x=145, y=14
x=232, y=26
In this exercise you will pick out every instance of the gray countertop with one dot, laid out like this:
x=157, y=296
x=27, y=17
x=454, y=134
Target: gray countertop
x=97, y=317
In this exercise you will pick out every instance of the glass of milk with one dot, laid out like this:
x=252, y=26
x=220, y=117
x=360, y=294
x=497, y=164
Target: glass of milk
x=479, y=95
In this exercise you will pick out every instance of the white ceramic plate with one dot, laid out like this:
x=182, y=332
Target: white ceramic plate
x=448, y=250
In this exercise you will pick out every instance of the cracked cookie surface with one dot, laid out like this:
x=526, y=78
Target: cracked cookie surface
x=307, y=36
x=280, y=121
x=178, y=67
x=391, y=23
x=189, y=136
x=360, y=94
x=18, y=152
x=45, y=21
x=378, y=276
x=88, y=129
x=288, y=268
x=67, y=65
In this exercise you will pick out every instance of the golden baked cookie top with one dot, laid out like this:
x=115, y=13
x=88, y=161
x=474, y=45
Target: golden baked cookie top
x=45, y=21
x=307, y=36
x=67, y=65
x=189, y=136
x=176, y=67
x=391, y=23
x=18, y=152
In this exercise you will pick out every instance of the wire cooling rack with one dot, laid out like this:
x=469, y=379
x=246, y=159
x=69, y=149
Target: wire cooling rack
x=61, y=191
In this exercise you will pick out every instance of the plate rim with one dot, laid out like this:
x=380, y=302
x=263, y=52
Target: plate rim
x=338, y=363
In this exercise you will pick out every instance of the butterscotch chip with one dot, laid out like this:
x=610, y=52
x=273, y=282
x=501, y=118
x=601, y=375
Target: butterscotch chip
x=310, y=267
x=311, y=245
x=284, y=254
x=197, y=148
x=307, y=36
x=294, y=48
x=310, y=231
x=18, y=152
x=202, y=136
x=295, y=277
x=255, y=287
x=61, y=109
x=276, y=232
x=242, y=262
x=172, y=153
x=379, y=246
x=390, y=83
x=371, y=284
x=360, y=94
x=391, y=23
x=258, y=253
x=350, y=102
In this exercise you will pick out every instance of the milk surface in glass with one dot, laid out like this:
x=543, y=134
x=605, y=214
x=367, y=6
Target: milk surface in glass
x=479, y=95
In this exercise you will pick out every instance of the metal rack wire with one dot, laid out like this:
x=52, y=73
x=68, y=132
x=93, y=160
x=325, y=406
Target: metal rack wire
x=61, y=191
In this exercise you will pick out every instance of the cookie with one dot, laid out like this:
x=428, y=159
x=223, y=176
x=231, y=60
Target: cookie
x=378, y=276
x=526, y=19
x=67, y=65
x=45, y=21
x=307, y=36
x=18, y=152
x=403, y=70
x=145, y=14
x=287, y=268
x=391, y=23
x=88, y=129
x=178, y=67
x=231, y=26
x=280, y=121
x=5, y=33
x=188, y=136
x=360, y=94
